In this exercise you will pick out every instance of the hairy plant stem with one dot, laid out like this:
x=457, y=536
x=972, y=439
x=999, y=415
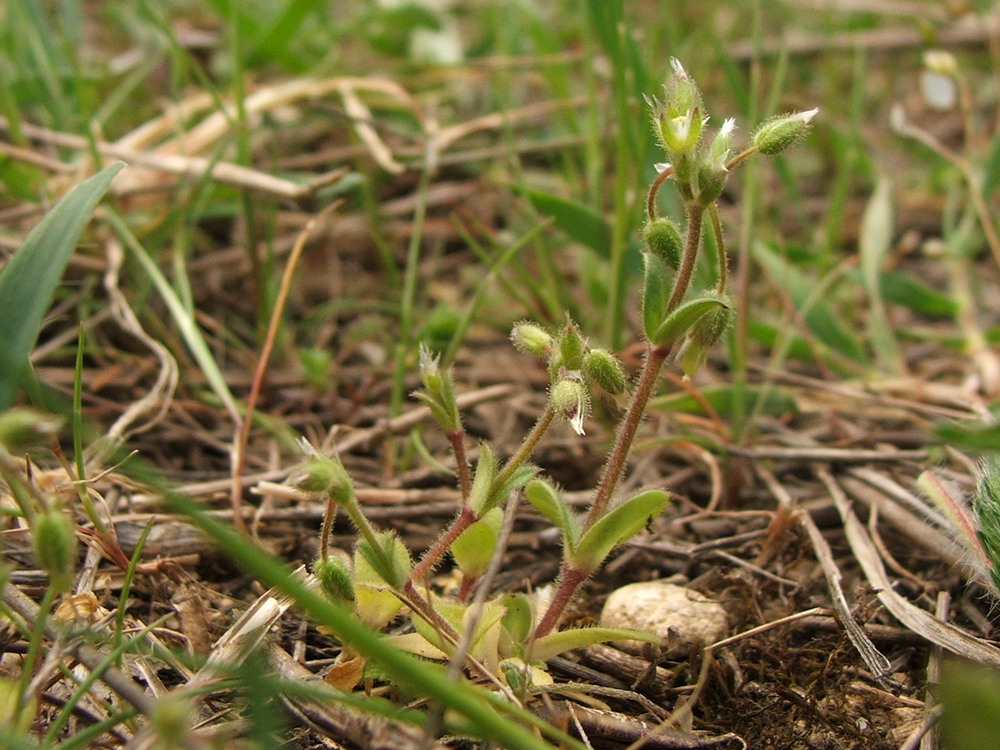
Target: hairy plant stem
x=720, y=245
x=569, y=581
x=527, y=446
x=467, y=516
x=457, y=440
x=324, y=534
x=654, y=188
x=571, y=577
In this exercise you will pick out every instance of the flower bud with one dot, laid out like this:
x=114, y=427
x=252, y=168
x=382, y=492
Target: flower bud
x=603, y=368
x=705, y=334
x=779, y=133
x=321, y=474
x=571, y=347
x=335, y=578
x=439, y=392
x=663, y=238
x=23, y=429
x=569, y=398
x=54, y=537
x=531, y=338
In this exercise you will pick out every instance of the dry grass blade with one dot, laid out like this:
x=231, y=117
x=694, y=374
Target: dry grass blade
x=943, y=634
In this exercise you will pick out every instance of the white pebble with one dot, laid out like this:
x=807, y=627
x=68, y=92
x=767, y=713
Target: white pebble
x=681, y=617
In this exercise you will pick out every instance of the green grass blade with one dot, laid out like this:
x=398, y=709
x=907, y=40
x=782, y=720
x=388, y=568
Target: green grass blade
x=875, y=243
x=29, y=280
x=183, y=317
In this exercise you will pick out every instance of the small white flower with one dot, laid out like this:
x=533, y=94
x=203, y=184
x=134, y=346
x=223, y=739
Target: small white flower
x=807, y=116
x=728, y=126
x=678, y=68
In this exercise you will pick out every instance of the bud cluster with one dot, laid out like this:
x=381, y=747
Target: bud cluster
x=574, y=367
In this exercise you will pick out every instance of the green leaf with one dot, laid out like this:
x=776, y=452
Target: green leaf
x=818, y=316
x=657, y=283
x=773, y=402
x=482, y=482
x=562, y=641
x=548, y=501
x=616, y=527
x=579, y=223
x=474, y=547
x=684, y=316
x=29, y=280
x=902, y=289
x=502, y=491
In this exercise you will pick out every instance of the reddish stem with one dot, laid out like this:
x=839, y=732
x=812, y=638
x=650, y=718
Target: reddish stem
x=466, y=517
x=568, y=584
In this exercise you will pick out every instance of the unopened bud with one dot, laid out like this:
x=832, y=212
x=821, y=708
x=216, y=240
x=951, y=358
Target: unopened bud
x=778, y=134
x=23, y=429
x=603, y=368
x=705, y=334
x=335, y=578
x=531, y=338
x=571, y=347
x=321, y=474
x=663, y=238
x=54, y=537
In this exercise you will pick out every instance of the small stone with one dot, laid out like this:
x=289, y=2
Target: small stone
x=681, y=617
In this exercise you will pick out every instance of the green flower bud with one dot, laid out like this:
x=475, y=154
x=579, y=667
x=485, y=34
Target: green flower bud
x=439, y=392
x=705, y=334
x=663, y=238
x=335, y=578
x=781, y=132
x=171, y=719
x=712, y=171
x=569, y=398
x=23, y=429
x=54, y=537
x=321, y=474
x=571, y=347
x=531, y=338
x=603, y=368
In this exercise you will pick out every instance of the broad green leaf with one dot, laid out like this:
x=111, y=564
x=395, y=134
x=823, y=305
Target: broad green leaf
x=657, y=283
x=518, y=618
x=580, y=223
x=684, y=316
x=616, y=527
x=548, y=501
x=482, y=482
x=818, y=316
x=474, y=547
x=29, y=280
x=562, y=641
x=370, y=566
x=902, y=289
